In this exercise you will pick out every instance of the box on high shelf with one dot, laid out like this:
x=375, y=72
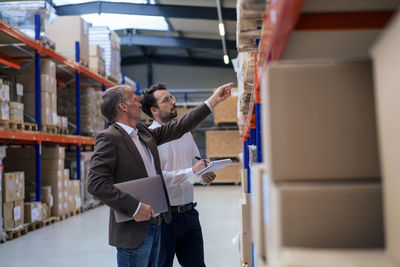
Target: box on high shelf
x=386, y=88
x=319, y=121
x=65, y=31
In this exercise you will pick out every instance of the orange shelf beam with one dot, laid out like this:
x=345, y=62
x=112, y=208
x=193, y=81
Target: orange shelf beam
x=33, y=137
x=7, y=29
x=343, y=21
x=9, y=63
x=94, y=76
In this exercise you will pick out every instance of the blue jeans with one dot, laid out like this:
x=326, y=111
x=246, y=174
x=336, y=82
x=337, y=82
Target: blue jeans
x=144, y=256
x=184, y=238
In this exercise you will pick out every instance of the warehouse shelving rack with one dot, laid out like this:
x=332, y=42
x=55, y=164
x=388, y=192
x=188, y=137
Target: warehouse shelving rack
x=21, y=47
x=281, y=19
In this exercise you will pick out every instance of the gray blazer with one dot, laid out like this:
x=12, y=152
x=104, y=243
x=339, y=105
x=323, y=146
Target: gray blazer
x=116, y=159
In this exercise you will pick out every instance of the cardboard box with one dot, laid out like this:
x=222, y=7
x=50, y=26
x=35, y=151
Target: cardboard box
x=19, y=185
x=65, y=31
x=226, y=112
x=244, y=185
x=32, y=212
x=4, y=111
x=46, y=196
x=95, y=51
x=47, y=83
x=55, y=179
x=18, y=213
x=319, y=121
x=8, y=217
x=16, y=111
x=220, y=144
x=96, y=64
x=53, y=102
x=56, y=152
x=257, y=211
x=45, y=211
x=229, y=174
x=325, y=215
x=47, y=67
x=53, y=164
x=9, y=187
x=386, y=79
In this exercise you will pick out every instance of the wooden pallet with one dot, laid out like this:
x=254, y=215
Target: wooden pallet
x=33, y=226
x=49, y=221
x=52, y=129
x=70, y=214
x=17, y=232
x=30, y=126
x=61, y=130
x=11, y=125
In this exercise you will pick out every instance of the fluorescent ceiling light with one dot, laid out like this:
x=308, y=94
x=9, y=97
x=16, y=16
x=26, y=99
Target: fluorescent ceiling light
x=120, y=21
x=226, y=59
x=221, y=29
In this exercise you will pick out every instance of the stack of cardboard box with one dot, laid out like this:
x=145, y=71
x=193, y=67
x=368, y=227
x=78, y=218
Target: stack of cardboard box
x=13, y=199
x=96, y=60
x=91, y=118
x=321, y=176
x=4, y=100
x=53, y=175
x=48, y=92
x=65, y=31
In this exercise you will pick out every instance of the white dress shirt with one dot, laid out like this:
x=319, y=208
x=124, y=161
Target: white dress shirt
x=144, y=151
x=177, y=159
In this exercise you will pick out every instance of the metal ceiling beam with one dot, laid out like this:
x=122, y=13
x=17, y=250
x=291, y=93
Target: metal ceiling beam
x=180, y=42
x=170, y=11
x=174, y=60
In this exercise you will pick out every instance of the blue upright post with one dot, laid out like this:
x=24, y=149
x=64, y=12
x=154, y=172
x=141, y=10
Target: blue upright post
x=78, y=111
x=246, y=162
x=137, y=88
x=123, y=77
x=38, y=113
x=258, y=133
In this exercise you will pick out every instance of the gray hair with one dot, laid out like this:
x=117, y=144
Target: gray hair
x=110, y=100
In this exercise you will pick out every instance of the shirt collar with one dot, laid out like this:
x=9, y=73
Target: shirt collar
x=155, y=124
x=128, y=128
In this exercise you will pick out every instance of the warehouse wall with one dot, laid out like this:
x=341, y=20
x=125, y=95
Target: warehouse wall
x=178, y=77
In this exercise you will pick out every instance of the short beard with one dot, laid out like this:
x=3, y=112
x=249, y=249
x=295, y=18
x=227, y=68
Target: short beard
x=168, y=117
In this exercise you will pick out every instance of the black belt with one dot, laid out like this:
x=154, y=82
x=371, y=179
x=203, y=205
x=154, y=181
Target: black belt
x=183, y=208
x=156, y=220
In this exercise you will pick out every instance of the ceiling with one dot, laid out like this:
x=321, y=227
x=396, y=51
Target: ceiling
x=192, y=38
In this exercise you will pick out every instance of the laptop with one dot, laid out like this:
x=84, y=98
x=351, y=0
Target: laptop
x=149, y=190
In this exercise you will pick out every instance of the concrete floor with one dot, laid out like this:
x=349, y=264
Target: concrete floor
x=82, y=240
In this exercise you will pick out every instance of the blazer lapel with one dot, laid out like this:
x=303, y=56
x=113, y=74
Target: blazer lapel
x=127, y=140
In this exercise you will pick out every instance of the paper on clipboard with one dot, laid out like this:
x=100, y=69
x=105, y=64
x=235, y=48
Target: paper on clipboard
x=211, y=167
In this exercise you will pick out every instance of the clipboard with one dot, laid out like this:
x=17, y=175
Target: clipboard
x=149, y=190
x=211, y=167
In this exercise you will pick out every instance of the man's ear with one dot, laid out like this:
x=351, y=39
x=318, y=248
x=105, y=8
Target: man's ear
x=122, y=106
x=153, y=110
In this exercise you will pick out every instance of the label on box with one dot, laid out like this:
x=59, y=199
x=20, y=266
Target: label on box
x=60, y=206
x=6, y=92
x=35, y=214
x=10, y=184
x=51, y=201
x=70, y=198
x=78, y=202
x=20, y=89
x=59, y=184
x=65, y=194
x=65, y=205
x=59, y=173
x=17, y=213
x=65, y=183
x=59, y=195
